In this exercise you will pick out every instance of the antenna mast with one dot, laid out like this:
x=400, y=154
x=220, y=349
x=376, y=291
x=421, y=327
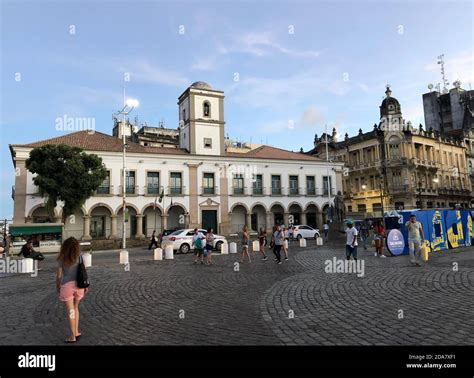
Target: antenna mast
x=445, y=82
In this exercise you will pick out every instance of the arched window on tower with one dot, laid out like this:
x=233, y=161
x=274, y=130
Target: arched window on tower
x=206, y=109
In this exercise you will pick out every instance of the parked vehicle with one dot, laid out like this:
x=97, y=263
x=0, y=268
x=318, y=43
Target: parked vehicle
x=181, y=240
x=305, y=231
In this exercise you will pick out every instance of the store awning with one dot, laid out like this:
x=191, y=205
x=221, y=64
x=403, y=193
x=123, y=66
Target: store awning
x=35, y=229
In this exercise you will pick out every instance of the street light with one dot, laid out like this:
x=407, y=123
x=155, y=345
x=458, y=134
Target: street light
x=128, y=105
x=364, y=186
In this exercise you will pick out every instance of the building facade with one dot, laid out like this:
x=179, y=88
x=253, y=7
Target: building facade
x=204, y=183
x=395, y=166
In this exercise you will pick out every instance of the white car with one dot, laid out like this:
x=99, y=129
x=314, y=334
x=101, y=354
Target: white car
x=182, y=240
x=305, y=231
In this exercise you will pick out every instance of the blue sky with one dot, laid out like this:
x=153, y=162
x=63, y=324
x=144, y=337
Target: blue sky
x=300, y=64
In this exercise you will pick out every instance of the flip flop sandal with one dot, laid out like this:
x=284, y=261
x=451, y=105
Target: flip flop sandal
x=70, y=341
x=78, y=337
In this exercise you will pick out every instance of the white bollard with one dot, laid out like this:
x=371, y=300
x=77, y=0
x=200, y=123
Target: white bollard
x=224, y=248
x=255, y=246
x=286, y=244
x=87, y=259
x=27, y=266
x=169, y=255
x=319, y=241
x=123, y=257
x=302, y=242
x=158, y=254
x=233, y=247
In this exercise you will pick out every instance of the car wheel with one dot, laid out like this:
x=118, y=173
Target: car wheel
x=184, y=248
x=219, y=245
x=299, y=237
x=316, y=235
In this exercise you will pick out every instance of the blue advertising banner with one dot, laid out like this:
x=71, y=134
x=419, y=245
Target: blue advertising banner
x=454, y=228
x=466, y=219
x=395, y=242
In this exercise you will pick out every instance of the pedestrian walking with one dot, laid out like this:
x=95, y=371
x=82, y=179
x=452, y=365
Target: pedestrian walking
x=198, y=243
x=245, y=244
x=364, y=233
x=351, y=240
x=209, y=245
x=66, y=284
x=416, y=237
x=286, y=241
x=326, y=231
x=262, y=241
x=153, y=241
x=379, y=238
x=278, y=239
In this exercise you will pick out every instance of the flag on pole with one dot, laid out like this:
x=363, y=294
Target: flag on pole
x=162, y=195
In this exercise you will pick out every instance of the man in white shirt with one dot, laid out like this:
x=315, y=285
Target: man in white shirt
x=198, y=244
x=351, y=240
x=415, y=238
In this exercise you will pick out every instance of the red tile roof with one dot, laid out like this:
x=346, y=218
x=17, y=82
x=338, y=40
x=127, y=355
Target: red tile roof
x=97, y=141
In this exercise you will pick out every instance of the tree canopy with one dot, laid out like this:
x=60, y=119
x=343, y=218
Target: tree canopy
x=67, y=174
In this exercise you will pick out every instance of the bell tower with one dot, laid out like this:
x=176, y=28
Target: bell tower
x=201, y=120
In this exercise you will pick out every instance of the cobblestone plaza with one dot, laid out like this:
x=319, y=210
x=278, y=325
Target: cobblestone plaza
x=174, y=302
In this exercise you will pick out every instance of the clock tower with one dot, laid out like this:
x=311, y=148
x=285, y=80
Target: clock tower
x=201, y=120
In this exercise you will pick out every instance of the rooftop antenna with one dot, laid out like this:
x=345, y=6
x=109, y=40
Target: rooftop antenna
x=445, y=81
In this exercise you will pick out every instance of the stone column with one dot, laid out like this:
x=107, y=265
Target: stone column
x=286, y=218
x=248, y=220
x=319, y=219
x=193, y=195
x=269, y=222
x=19, y=202
x=86, y=234
x=139, y=234
x=113, y=227
x=164, y=221
x=225, y=221
x=186, y=220
x=303, y=218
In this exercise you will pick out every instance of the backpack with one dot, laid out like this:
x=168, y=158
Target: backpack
x=82, y=279
x=198, y=243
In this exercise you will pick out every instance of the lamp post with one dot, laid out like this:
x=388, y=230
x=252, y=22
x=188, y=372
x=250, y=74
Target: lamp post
x=329, y=183
x=128, y=106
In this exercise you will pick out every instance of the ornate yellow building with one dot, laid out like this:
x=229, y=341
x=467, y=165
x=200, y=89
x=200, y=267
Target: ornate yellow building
x=396, y=166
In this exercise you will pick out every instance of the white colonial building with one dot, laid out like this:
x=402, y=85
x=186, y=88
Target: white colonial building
x=205, y=182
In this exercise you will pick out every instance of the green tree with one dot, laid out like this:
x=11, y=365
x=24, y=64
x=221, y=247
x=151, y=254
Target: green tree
x=67, y=174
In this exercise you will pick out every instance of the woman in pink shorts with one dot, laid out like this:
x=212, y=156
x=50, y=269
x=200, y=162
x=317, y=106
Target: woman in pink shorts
x=66, y=284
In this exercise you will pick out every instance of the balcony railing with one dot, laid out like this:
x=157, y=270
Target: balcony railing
x=294, y=191
x=153, y=190
x=176, y=190
x=258, y=191
x=209, y=190
x=129, y=189
x=311, y=191
x=238, y=191
x=104, y=190
x=277, y=191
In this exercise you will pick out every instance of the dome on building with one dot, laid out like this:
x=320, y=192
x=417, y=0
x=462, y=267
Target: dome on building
x=201, y=85
x=390, y=105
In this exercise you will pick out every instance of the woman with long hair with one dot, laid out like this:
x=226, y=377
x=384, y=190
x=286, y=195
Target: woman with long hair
x=379, y=236
x=66, y=285
x=245, y=244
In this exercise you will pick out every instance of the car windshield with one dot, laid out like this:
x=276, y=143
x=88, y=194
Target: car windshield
x=177, y=232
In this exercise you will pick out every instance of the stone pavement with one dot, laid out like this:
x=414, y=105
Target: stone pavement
x=393, y=304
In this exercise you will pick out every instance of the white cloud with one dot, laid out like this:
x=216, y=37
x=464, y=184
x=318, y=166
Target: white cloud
x=261, y=44
x=311, y=116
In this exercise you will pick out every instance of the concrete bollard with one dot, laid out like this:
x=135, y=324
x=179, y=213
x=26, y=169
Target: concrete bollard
x=233, y=247
x=123, y=257
x=27, y=265
x=224, y=248
x=87, y=259
x=169, y=255
x=302, y=242
x=158, y=254
x=319, y=241
x=255, y=246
